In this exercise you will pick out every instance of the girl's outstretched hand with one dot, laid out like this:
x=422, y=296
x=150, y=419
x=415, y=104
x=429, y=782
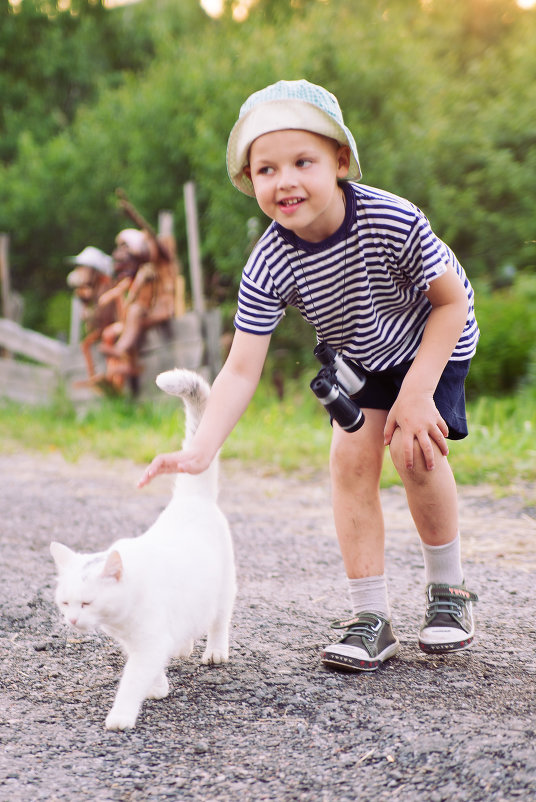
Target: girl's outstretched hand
x=187, y=461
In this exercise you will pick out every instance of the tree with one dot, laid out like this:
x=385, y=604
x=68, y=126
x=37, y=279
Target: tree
x=52, y=61
x=441, y=105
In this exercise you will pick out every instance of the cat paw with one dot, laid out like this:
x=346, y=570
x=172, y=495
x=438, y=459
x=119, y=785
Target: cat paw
x=120, y=721
x=159, y=689
x=215, y=657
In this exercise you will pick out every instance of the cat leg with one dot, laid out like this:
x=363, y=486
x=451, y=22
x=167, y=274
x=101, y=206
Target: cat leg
x=159, y=688
x=186, y=649
x=135, y=685
x=217, y=649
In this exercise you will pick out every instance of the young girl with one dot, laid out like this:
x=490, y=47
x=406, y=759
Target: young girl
x=365, y=269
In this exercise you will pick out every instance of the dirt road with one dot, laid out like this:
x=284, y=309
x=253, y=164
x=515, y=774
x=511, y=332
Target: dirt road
x=272, y=724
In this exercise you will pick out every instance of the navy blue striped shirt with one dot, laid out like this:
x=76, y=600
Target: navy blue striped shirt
x=361, y=288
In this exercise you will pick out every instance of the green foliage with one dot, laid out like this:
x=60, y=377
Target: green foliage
x=483, y=157
x=292, y=435
x=440, y=96
x=112, y=428
x=506, y=354
x=58, y=314
x=500, y=448
x=52, y=60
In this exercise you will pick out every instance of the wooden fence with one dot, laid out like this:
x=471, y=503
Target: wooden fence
x=34, y=368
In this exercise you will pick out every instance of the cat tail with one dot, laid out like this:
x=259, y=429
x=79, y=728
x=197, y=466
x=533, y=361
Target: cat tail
x=194, y=391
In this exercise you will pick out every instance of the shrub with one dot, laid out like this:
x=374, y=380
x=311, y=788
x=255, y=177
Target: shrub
x=506, y=351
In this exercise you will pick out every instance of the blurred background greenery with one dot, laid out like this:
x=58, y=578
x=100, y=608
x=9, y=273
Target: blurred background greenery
x=440, y=95
x=274, y=436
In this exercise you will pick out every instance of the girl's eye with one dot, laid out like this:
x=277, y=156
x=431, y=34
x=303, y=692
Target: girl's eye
x=303, y=162
x=265, y=171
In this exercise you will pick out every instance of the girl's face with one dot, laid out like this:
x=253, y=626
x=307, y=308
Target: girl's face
x=294, y=175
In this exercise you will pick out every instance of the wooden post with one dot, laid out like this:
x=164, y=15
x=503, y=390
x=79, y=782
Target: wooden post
x=194, y=258
x=5, y=285
x=5, y=281
x=167, y=234
x=76, y=321
x=165, y=224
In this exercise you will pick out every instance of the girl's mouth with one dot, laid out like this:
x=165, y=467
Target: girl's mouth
x=289, y=204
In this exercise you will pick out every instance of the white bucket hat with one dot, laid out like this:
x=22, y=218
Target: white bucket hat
x=135, y=240
x=281, y=106
x=95, y=258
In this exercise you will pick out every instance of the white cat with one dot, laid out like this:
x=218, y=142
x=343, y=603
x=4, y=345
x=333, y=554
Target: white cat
x=155, y=594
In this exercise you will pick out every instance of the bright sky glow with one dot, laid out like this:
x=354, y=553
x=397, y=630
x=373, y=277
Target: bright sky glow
x=240, y=8
x=212, y=7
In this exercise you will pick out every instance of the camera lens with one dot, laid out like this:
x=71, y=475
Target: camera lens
x=340, y=407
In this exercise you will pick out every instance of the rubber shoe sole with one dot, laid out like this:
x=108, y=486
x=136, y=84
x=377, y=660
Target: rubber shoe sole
x=351, y=658
x=432, y=640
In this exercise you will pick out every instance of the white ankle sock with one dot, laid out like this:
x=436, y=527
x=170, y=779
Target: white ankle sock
x=369, y=593
x=442, y=564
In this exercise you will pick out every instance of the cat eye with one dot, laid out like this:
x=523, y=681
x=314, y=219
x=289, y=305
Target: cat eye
x=82, y=604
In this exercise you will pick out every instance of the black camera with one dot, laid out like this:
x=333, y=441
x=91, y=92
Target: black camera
x=335, y=384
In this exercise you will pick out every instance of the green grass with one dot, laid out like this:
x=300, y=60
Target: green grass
x=501, y=447
x=274, y=436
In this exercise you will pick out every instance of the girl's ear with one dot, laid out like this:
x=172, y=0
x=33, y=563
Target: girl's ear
x=247, y=171
x=343, y=161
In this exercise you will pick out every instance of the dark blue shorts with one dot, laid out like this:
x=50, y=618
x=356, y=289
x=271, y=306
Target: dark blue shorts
x=382, y=388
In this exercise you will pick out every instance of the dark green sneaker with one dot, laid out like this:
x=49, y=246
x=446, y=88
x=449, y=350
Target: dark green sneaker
x=367, y=642
x=448, y=621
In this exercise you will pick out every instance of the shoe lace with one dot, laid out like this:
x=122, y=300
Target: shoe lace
x=442, y=605
x=449, y=600
x=361, y=627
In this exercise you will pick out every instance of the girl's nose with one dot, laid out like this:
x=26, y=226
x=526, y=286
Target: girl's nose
x=287, y=178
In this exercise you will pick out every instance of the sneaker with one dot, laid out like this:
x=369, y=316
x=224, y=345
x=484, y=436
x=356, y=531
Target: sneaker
x=448, y=620
x=368, y=641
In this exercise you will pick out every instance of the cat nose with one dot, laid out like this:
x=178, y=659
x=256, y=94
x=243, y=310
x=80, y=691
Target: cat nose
x=73, y=621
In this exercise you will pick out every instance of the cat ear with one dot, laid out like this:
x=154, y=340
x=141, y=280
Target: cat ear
x=113, y=567
x=62, y=555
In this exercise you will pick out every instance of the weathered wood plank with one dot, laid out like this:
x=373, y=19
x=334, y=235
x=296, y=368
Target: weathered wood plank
x=28, y=384
x=31, y=344
x=193, y=340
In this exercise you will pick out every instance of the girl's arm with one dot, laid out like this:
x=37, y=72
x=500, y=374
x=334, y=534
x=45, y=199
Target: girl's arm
x=414, y=411
x=229, y=397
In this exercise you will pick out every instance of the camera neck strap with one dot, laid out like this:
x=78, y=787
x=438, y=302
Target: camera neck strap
x=317, y=325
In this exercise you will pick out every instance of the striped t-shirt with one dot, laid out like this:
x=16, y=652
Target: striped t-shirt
x=362, y=288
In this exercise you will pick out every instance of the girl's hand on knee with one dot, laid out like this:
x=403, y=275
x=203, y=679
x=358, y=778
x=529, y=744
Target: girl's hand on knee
x=418, y=419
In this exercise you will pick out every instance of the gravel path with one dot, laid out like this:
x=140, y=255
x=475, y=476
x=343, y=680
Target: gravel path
x=272, y=724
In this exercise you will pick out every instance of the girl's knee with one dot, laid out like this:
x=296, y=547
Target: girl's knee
x=350, y=463
x=396, y=450
x=358, y=456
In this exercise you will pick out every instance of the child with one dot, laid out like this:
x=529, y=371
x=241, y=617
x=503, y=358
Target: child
x=365, y=269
